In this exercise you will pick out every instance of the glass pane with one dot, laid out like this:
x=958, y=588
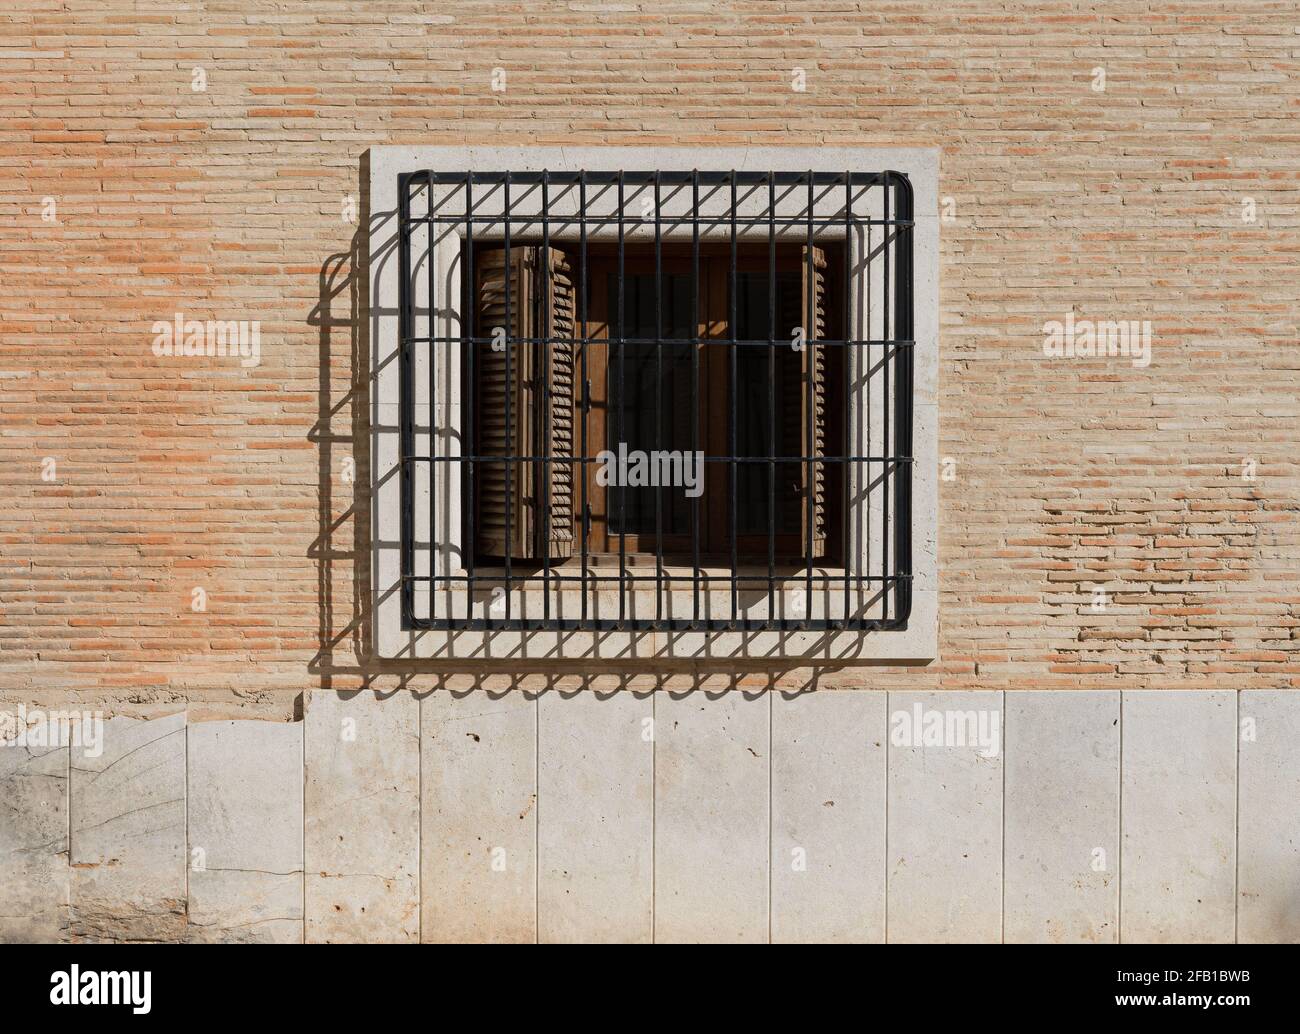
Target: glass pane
x=653, y=459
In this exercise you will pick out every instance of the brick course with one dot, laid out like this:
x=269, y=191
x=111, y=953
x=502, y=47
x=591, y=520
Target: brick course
x=228, y=204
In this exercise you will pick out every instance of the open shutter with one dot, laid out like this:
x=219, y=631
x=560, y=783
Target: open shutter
x=510, y=495
x=504, y=522
x=813, y=309
x=558, y=318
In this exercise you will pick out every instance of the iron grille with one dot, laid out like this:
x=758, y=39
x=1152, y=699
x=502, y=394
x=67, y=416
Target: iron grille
x=445, y=586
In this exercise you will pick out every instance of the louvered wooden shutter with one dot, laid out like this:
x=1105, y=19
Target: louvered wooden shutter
x=813, y=316
x=541, y=307
x=559, y=318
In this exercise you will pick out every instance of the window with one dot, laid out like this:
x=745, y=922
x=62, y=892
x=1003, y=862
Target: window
x=648, y=413
x=668, y=413
x=661, y=351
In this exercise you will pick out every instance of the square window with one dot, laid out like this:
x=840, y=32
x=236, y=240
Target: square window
x=668, y=402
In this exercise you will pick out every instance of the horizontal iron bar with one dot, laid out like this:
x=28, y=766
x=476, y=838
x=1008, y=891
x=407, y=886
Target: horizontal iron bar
x=593, y=576
x=565, y=460
x=681, y=178
x=830, y=222
x=654, y=625
x=665, y=342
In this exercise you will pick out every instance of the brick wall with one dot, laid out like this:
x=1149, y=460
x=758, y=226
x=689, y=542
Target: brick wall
x=230, y=202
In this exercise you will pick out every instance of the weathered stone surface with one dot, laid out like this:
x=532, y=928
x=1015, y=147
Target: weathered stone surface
x=944, y=845
x=595, y=818
x=712, y=769
x=128, y=832
x=1062, y=817
x=1268, y=834
x=828, y=817
x=479, y=817
x=1179, y=818
x=362, y=811
x=34, y=874
x=245, y=831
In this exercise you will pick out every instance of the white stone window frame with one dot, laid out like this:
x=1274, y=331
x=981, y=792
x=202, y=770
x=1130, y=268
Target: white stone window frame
x=915, y=644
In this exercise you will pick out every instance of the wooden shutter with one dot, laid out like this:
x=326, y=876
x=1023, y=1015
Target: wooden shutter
x=541, y=296
x=558, y=317
x=813, y=315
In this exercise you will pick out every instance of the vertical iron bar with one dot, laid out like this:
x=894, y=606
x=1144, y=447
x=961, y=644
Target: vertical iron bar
x=771, y=394
x=406, y=433
x=810, y=402
x=848, y=370
x=696, y=345
x=731, y=414
x=864, y=568
x=903, y=385
x=545, y=348
x=622, y=405
x=434, y=467
x=469, y=394
x=511, y=449
x=586, y=393
x=886, y=465
x=659, y=403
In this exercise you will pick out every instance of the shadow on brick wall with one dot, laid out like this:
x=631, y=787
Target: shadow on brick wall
x=345, y=658
x=341, y=436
